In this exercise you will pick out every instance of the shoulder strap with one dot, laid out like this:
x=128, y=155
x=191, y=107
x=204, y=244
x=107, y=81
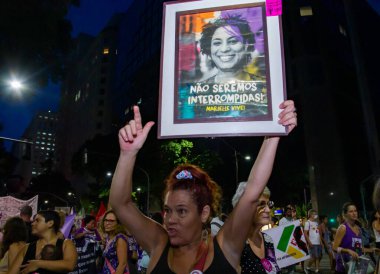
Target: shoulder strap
x=59, y=248
x=30, y=253
x=203, y=248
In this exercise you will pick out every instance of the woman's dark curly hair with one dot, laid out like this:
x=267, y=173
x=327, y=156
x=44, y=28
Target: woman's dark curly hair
x=203, y=189
x=234, y=21
x=15, y=230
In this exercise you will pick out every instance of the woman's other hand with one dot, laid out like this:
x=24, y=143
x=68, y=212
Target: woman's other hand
x=288, y=115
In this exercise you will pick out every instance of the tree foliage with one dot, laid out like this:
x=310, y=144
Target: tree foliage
x=183, y=151
x=35, y=37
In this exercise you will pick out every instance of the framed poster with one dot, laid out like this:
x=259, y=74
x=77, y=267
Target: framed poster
x=222, y=69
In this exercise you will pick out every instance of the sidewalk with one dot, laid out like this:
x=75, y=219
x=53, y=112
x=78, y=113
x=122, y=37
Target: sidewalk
x=324, y=266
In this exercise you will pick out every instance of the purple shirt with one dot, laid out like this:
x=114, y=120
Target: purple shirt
x=349, y=241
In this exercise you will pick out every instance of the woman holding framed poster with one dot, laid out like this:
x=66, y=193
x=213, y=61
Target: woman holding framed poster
x=183, y=244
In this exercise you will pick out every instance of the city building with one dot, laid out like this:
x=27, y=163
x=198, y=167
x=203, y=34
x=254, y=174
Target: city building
x=85, y=107
x=41, y=156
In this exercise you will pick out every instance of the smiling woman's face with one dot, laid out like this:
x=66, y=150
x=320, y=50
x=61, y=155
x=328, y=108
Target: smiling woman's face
x=227, y=48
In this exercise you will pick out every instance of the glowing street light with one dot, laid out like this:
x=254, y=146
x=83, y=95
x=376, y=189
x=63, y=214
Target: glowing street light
x=247, y=157
x=46, y=201
x=109, y=174
x=16, y=84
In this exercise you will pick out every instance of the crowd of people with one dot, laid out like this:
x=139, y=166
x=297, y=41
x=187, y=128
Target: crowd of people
x=190, y=235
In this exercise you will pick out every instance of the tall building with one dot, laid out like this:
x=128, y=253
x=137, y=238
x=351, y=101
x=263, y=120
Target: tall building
x=41, y=156
x=85, y=109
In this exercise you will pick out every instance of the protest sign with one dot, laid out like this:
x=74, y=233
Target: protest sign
x=222, y=69
x=290, y=244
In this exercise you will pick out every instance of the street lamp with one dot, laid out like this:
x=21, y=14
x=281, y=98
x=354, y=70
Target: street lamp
x=15, y=84
x=109, y=174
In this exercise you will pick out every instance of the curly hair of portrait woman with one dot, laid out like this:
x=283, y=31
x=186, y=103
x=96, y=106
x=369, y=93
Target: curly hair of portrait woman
x=228, y=42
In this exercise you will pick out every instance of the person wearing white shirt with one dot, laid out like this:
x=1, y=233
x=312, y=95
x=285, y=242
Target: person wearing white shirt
x=313, y=239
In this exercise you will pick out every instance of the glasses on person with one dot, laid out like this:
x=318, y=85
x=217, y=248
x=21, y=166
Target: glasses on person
x=263, y=204
x=109, y=221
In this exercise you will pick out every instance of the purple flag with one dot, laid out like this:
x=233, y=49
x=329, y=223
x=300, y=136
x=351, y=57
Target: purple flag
x=69, y=221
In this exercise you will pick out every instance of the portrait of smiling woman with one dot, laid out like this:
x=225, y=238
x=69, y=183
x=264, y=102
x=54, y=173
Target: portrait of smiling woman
x=228, y=42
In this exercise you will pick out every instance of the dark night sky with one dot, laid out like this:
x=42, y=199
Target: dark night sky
x=16, y=114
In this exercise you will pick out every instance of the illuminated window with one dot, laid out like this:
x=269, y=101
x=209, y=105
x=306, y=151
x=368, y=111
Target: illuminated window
x=306, y=11
x=106, y=51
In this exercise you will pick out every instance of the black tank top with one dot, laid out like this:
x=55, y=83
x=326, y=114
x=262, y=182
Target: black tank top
x=31, y=255
x=219, y=263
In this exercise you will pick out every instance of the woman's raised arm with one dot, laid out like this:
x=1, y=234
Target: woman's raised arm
x=131, y=139
x=234, y=232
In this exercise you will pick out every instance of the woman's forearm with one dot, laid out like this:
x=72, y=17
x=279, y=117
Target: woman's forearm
x=59, y=265
x=262, y=169
x=121, y=187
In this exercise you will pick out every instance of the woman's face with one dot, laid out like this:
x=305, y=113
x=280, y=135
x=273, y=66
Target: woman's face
x=227, y=48
x=352, y=213
x=262, y=216
x=377, y=217
x=181, y=218
x=39, y=225
x=90, y=225
x=110, y=222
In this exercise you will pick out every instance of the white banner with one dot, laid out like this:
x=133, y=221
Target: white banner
x=289, y=243
x=10, y=206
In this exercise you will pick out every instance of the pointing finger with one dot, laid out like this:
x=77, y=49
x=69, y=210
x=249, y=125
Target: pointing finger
x=137, y=118
x=132, y=123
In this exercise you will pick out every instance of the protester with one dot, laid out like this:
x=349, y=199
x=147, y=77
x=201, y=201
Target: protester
x=45, y=226
x=26, y=213
x=88, y=243
x=258, y=254
x=14, y=239
x=217, y=223
x=325, y=233
x=313, y=238
x=191, y=198
x=88, y=231
x=348, y=239
x=376, y=228
x=115, y=252
x=289, y=217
